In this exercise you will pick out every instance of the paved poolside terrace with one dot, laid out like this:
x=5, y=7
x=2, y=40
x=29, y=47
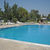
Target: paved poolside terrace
x=7, y=44
x=5, y=26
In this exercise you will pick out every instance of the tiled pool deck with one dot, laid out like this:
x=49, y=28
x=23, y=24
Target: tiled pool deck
x=4, y=26
x=6, y=44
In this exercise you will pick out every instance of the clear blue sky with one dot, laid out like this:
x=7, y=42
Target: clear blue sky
x=42, y=5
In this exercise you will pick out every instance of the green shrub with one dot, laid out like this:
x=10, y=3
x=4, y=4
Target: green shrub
x=14, y=20
x=5, y=19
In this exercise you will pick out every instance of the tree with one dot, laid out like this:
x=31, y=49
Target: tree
x=15, y=13
x=34, y=15
x=14, y=20
x=22, y=14
x=48, y=17
x=6, y=10
x=1, y=14
x=14, y=10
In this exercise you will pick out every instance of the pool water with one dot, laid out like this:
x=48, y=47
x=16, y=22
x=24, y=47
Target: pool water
x=28, y=33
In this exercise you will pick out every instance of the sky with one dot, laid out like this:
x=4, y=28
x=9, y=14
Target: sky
x=42, y=5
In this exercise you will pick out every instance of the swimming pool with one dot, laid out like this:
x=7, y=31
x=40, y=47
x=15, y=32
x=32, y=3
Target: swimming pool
x=28, y=33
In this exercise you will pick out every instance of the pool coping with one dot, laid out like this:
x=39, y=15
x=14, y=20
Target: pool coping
x=6, y=26
x=27, y=43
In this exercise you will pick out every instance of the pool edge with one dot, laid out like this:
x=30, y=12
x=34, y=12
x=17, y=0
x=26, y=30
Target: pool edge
x=23, y=42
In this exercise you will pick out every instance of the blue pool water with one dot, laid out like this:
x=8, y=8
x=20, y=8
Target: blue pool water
x=29, y=33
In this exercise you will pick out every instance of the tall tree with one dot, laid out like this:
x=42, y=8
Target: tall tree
x=34, y=15
x=1, y=14
x=48, y=17
x=14, y=10
x=22, y=14
x=6, y=9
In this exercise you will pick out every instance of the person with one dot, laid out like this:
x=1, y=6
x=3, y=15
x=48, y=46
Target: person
x=39, y=22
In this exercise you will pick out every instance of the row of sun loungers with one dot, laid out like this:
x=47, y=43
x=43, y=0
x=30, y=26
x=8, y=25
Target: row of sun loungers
x=10, y=23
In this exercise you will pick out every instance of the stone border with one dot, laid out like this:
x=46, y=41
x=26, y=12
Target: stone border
x=5, y=26
x=27, y=43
